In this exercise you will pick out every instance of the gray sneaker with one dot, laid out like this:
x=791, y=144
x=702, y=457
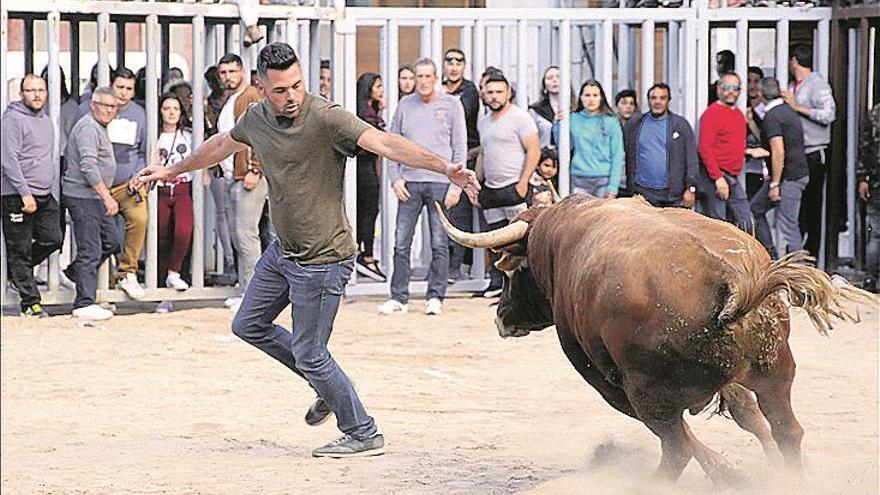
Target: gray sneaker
x=348, y=446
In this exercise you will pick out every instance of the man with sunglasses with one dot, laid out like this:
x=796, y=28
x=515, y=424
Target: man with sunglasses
x=454, y=83
x=722, y=151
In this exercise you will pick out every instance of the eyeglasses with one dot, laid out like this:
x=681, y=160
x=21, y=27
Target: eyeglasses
x=730, y=87
x=455, y=59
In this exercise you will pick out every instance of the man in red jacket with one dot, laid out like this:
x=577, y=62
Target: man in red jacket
x=722, y=151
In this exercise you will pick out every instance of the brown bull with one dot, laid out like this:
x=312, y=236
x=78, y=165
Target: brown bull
x=660, y=310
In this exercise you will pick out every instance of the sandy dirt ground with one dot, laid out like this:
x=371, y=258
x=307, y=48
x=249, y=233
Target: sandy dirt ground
x=175, y=404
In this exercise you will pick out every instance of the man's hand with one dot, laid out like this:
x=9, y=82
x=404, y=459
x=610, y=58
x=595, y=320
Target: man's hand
x=688, y=199
x=149, y=175
x=111, y=207
x=453, y=195
x=464, y=178
x=864, y=193
x=250, y=181
x=787, y=96
x=522, y=189
x=400, y=190
x=721, y=188
x=28, y=204
x=757, y=152
x=774, y=194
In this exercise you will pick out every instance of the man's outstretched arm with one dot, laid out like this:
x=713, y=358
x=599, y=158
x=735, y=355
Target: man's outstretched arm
x=212, y=152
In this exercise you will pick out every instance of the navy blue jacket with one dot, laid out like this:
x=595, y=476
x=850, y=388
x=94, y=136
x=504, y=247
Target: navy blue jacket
x=681, y=154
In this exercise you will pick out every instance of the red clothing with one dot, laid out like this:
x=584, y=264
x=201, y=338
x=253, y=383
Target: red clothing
x=722, y=140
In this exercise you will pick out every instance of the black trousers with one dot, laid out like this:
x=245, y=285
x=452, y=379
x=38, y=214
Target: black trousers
x=810, y=217
x=30, y=239
x=367, y=203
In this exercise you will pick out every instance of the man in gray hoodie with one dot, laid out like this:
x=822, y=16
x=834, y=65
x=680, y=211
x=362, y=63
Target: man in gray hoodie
x=30, y=213
x=812, y=99
x=91, y=166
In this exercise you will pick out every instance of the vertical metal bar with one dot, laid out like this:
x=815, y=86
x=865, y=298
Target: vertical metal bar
x=782, y=53
x=53, y=35
x=425, y=41
x=504, y=63
x=565, y=104
x=392, y=34
x=152, y=101
x=120, y=44
x=465, y=43
x=673, y=58
x=623, y=58
x=522, y=63
x=28, y=46
x=852, y=122
x=742, y=60
x=103, y=51
x=647, y=55
x=74, y=58
x=305, y=52
x=822, y=44
x=210, y=52
x=702, y=60
x=4, y=97
x=545, y=46
x=291, y=34
x=606, y=55
x=165, y=47
x=230, y=45
x=479, y=48
x=197, y=255
x=247, y=54
x=314, y=56
x=691, y=57
x=437, y=46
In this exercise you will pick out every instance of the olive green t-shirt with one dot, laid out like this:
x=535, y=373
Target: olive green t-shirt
x=304, y=164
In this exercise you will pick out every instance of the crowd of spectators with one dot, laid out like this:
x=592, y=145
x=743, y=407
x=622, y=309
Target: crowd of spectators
x=616, y=150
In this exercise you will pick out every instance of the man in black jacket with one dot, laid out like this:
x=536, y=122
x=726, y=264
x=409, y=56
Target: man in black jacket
x=661, y=153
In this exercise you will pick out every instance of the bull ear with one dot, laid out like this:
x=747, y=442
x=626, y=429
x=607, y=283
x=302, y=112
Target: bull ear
x=510, y=262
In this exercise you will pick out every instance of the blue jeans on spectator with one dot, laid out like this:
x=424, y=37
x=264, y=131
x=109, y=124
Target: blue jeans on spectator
x=786, y=215
x=96, y=239
x=421, y=194
x=314, y=292
x=737, y=201
x=594, y=186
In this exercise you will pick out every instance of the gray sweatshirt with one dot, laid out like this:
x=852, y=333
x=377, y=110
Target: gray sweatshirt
x=438, y=126
x=25, y=152
x=90, y=159
x=130, y=158
x=814, y=92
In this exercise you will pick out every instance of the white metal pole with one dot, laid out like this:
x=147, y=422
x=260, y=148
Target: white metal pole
x=607, y=57
x=742, y=61
x=103, y=49
x=623, y=58
x=305, y=54
x=673, y=63
x=198, y=136
x=425, y=41
x=702, y=60
x=437, y=47
x=479, y=61
x=691, y=57
x=465, y=43
x=822, y=44
x=522, y=63
x=315, y=57
x=4, y=51
x=565, y=103
x=852, y=112
x=152, y=101
x=54, y=41
x=782, y=53
x=291, y=34
x=647, y=55
x=386, y=196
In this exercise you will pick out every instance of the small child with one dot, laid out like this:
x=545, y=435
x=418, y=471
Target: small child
x=548, y=168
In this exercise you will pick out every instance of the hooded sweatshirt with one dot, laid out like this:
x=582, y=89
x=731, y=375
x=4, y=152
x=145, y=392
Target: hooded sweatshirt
x=26, y=151
x=814, y=92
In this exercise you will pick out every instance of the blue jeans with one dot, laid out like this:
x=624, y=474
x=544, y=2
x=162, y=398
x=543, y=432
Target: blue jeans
x=421, y=194
x=737, y=202
x=786, y=215
x=594, y=186
x=314, y=292
x=96, y=239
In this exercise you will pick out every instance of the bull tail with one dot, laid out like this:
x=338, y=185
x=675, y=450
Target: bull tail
x=806, y=287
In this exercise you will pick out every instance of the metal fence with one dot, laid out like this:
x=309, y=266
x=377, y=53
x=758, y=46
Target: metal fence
x=619, y=43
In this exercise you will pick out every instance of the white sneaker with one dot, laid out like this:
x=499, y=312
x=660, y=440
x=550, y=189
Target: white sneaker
x=93, y=312
x=164, y=307
x=66, y=282
x=131, y=286
x=392, y=307
x=231, y=302
x=174, y=281
x=234, y=307
x=434, y=306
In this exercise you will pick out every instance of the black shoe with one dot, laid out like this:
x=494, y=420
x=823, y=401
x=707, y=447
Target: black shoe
x=490, y=292
x=370, y=270
x=348, y=446
x=34, y=311
x=318, y=413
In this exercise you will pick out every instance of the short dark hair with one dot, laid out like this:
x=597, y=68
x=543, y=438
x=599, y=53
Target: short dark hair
x=491, y=70
x=548, y=152
x=625, y=93
x=497, y=77
x=660, y=85
x=230, y=58
x=325, y=64
x=803, y=53
x=123, y=72
x=275, y=56
x=756, y=70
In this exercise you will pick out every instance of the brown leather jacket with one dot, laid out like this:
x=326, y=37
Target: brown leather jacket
x=246, y=158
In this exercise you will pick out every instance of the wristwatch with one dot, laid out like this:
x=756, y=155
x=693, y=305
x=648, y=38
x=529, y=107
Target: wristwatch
x=692, y=189
x=774, y=184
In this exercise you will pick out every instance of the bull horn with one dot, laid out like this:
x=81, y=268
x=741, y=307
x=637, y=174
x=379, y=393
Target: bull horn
x=495, y=238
